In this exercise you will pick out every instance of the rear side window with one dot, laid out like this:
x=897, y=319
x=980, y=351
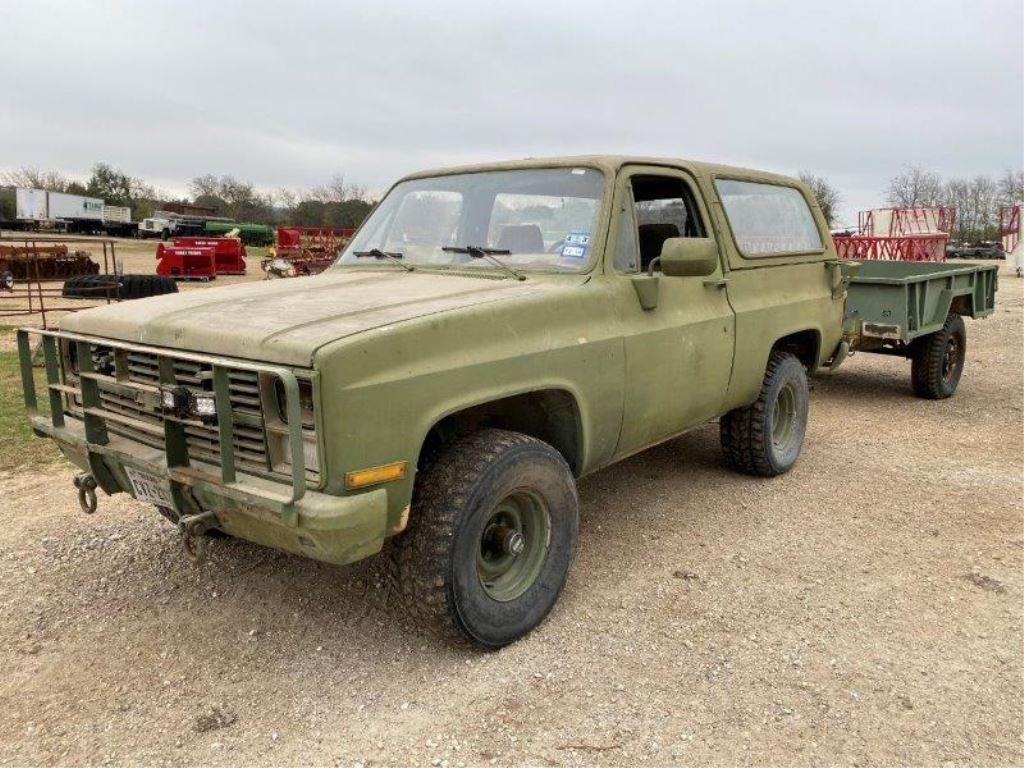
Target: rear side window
x=768, y=219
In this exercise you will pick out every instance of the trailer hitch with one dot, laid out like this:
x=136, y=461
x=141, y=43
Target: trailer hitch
x=193, y=535
x=86, y=485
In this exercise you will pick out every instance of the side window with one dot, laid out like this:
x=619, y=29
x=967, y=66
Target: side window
x=626, y=256
x=665, y=207
x=768, y=219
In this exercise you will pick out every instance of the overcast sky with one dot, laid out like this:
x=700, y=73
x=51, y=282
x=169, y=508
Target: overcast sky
x=290, y=94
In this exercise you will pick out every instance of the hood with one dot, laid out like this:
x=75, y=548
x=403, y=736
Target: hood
x=286, y=321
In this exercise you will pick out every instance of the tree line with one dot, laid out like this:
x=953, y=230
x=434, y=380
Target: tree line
x=337, y=204
x=341, y=204
x=976, y=200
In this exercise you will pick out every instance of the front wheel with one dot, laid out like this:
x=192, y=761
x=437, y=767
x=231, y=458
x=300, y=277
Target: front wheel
x=937, y=361
x=493, y=532
x=765, y=438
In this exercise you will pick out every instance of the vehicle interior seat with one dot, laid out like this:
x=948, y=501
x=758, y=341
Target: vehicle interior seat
x=521, y=238
x=651, y=237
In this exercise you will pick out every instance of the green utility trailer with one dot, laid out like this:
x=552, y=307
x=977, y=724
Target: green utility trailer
x=250, y=234
x=915, y=309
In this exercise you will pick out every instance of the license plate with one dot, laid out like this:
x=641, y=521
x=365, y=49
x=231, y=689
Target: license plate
x=149, y=488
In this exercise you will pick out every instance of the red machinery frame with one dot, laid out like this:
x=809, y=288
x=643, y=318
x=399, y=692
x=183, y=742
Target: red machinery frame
x=908, y=221
x=910, y=236
x=876, y=248
x=1009, y=226
x=201, y=258
x=309, y=250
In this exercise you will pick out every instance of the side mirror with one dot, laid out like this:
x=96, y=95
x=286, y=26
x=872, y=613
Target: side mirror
x=688, y=257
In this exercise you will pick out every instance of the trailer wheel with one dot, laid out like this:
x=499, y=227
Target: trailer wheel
x=765, y=438
x=937, y=360
x=493, y=532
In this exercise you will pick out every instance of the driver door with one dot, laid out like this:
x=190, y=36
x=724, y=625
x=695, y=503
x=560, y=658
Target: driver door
x=679, y=354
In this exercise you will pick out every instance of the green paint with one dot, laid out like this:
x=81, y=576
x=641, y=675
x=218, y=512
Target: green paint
x=600, y=363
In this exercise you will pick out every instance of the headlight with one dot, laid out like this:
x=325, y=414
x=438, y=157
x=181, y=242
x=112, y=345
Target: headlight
x=70, y=356
x=305, y=403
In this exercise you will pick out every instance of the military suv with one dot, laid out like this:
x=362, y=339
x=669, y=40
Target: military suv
x=491, y=334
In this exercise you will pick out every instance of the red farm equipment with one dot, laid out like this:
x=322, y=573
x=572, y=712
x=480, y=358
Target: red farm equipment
x=898, y=234
x=201, y=258
x=304, y=250
x=1009, y=236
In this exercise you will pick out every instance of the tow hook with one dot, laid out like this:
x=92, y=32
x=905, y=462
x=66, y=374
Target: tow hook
x=86, y=485
x=193, y=535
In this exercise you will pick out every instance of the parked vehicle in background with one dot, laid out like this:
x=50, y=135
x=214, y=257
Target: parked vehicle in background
x=167, y=224
x=117, y=221
x=490, y=334
x=38, y=209
x=987, y=249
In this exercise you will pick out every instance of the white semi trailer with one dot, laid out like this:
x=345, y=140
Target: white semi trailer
x=38, y=208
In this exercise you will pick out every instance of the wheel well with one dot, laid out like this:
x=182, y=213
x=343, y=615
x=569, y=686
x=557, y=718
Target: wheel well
x=961, y=305
x=550, y=415
x=803, y=344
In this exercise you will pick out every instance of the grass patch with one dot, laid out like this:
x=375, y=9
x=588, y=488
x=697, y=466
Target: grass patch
x=19, y=448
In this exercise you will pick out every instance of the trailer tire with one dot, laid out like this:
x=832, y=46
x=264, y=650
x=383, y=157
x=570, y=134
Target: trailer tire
x=765, y=438
x=491, y=538
x=72, y=288
x=143, y=286
x=84, y=287
x=937, y=360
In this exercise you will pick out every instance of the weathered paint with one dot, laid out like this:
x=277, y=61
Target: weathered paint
x=396, y=352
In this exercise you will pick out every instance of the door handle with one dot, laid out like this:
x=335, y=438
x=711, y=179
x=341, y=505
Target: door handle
x=719, y=283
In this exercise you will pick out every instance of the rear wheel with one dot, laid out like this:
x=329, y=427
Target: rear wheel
x=493, y=532
x=765, y=438
x=937, y=360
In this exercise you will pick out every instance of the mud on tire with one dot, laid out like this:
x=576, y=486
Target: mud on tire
x=455, y=569
x=765, y=438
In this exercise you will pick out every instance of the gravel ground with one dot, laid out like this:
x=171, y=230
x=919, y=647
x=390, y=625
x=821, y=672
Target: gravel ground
x=865, y=609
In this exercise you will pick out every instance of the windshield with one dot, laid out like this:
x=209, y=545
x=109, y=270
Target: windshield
x=543, y=218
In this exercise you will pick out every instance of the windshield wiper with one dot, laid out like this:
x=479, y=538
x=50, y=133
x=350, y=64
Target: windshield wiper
x=377, y=253
x=479, y=252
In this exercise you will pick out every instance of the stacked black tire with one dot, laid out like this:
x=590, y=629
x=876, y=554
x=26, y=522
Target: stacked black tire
x=124, y=287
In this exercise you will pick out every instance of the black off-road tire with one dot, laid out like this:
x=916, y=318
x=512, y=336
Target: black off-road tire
x=435, y=561
x=937, y=360
x=143, y=286
x=747, y=434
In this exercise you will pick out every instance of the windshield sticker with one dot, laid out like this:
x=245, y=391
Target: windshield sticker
x=576, y=244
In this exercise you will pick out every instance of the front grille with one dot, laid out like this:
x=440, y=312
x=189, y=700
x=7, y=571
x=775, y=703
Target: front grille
x=249, y=426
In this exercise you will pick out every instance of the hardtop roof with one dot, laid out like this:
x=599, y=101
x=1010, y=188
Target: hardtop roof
x=610, y=164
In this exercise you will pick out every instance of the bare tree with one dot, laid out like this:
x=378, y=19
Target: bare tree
x=1011, y=187
x=206, y=185
x=915, y=188
x=53, y=181
x=827, y=196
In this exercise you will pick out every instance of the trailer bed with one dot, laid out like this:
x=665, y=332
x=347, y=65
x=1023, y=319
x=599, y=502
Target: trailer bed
x=915, y=310
x=899, y=301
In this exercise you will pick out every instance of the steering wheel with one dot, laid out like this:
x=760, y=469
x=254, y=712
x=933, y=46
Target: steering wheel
x=556, y=247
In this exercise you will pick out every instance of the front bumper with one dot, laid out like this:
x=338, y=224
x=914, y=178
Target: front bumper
x=334, y=529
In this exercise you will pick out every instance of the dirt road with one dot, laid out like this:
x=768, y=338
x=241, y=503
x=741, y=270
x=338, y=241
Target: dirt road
x=865, y=609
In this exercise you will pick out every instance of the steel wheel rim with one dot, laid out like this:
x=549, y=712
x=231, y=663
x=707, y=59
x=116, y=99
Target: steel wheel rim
x=949, y=358
x=513, y=546
x=784, y=418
